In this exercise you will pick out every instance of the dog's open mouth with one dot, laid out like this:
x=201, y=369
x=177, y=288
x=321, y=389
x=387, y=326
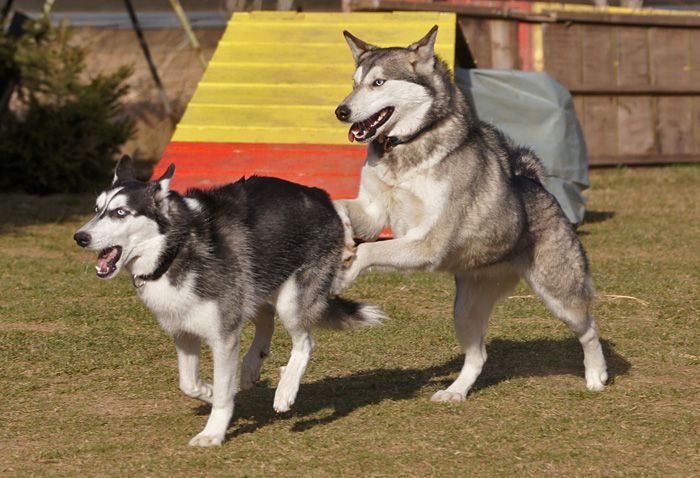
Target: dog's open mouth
x=364, y=130
x=107, y=261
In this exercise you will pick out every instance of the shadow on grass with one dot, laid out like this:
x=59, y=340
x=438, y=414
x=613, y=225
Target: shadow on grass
x=22, y=210
x=592, y=217
x=507, y=359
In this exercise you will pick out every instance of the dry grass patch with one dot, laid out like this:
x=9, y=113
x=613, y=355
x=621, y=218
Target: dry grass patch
x=90, y=381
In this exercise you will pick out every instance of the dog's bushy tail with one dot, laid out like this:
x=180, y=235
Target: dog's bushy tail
x=526, y=163
x=346, y=314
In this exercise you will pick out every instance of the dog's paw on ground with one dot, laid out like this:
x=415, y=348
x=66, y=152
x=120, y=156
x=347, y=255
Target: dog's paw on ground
x=284, y=398
x=595, y=381
x=206, y=441
x=250, y=375
x=443, y=396
x=247, y=383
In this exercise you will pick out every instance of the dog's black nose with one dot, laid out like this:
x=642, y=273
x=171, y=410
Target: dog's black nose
x=342, y=112
x=82, y=238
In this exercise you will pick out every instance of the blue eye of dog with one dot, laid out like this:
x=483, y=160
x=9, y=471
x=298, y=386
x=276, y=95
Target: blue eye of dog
x=378, y=82
x=119, y=213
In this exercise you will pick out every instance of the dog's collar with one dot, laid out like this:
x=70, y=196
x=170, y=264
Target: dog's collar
x=137, y=281
x=166, y=261
x=390, y=142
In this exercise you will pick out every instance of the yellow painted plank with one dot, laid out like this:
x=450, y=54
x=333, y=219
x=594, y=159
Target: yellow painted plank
x=278, y=76
x=258, y=52
x=278, y=73
x=237, y=134
x=253, y=94
x=303, y=34
x=259, y=115
x=263, y=17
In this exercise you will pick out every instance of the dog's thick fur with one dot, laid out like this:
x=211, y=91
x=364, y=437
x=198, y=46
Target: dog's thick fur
x=206, y=262
x=461, y=198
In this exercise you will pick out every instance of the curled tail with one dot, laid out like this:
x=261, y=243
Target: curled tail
x=526, y=163
x=346, y=314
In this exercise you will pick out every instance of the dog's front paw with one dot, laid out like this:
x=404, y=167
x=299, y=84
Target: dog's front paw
x=286, y=393
x=443, y=396
x=250, y=371
x=248, y=379
x=350, y=274
x=595, y=380
x=349, y=254
x=350, y=247
x=284, y=399
x=204, y=440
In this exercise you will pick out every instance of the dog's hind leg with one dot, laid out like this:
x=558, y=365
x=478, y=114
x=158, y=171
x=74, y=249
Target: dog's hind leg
x=569, y=299
x=290, y=310
x=559, y=274
x=476, y=296
x=291, y=374
x=188, y=348
x=260, y=348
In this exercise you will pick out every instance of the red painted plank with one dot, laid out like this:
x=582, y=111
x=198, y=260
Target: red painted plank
x=335, y=168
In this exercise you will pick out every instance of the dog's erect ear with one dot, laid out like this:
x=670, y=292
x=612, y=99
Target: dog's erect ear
x=163, y=182
x=425, y=47
x=357, y=46
x=124, y=170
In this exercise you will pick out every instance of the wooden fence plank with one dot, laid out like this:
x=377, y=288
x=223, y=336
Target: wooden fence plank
x=675, y=125
x=504, y=44
x=669, y=57
x=598, y=55
x=694, y=53
x=635, y=120
x=562, y=53
x=599, y=124
x=696, y=125
x=478, y=36
x=633, y=57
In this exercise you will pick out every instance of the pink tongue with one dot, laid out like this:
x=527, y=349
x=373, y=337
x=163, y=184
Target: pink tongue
x=354, y=130
x=102, y=266
x=103, y=261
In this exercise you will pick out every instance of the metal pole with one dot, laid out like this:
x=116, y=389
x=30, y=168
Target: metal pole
x=4, y=13
x=48, y=5
x=147, y=54
x=188, y=30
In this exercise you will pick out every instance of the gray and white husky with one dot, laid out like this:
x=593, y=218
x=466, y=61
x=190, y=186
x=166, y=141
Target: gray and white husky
x=205, y=262
x=460, y=198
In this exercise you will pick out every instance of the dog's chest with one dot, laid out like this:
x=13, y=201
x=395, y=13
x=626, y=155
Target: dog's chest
x=178, y=309
x=412, y=198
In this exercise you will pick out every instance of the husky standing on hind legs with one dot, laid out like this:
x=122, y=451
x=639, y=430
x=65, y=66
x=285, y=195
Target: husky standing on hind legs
x=460, y=198
x=206, y=262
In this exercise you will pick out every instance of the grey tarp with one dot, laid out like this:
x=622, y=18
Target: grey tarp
x=535, y=111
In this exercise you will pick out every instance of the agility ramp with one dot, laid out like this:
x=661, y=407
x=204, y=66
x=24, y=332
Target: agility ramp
x=266, y=102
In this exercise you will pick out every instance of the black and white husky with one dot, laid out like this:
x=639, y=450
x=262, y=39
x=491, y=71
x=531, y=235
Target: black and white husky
x=205, y=262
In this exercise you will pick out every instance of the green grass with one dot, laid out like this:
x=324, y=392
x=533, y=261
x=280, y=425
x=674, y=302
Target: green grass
x=89, y=380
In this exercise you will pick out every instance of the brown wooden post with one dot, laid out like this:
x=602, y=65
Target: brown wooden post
x=503, y=47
